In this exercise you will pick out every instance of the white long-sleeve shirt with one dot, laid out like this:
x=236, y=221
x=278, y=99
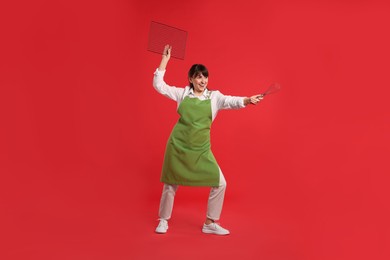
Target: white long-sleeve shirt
x=218, y=100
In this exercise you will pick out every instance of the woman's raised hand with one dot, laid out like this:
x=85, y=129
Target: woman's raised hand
x=167, y=51
x=165, y=57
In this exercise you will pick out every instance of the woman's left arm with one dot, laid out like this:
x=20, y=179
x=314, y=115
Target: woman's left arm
x=234, y=102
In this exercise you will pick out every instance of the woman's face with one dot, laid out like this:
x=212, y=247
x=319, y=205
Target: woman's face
x=199, y=82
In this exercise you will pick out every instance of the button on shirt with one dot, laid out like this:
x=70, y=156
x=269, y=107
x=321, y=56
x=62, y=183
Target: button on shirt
x=218, y=100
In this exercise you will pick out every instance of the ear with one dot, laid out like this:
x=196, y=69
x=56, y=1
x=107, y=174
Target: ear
x=190, y=80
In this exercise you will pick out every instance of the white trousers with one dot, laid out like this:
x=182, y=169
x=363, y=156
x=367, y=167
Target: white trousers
x=214, y=206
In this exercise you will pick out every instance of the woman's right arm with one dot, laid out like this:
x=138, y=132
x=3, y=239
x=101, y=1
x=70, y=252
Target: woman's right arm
x=158, y=79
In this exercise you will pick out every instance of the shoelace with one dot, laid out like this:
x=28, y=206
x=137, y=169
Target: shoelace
x=216, y=225
x=163, y=223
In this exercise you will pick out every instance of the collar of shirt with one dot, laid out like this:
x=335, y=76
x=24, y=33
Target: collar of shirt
x=205, y=94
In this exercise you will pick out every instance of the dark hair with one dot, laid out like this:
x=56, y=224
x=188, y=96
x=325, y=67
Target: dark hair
x=196, y=70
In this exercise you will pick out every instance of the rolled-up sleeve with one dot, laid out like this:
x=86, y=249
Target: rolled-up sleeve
x=163, y=88
x=229, y=102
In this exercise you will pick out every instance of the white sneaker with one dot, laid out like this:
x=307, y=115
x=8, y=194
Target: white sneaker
x=214, y=228
x=162, y=226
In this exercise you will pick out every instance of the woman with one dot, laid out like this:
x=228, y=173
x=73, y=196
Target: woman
x=188, y=158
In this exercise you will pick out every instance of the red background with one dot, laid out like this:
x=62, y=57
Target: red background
x=83, y=131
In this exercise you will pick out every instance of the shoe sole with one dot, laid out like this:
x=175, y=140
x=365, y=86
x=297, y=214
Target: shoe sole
x=214, y=233
x=161, y=232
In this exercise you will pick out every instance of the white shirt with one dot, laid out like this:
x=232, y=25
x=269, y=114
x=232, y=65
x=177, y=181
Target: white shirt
x=218, y=100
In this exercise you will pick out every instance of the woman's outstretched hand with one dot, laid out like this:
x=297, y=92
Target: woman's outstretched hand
x=254, y=100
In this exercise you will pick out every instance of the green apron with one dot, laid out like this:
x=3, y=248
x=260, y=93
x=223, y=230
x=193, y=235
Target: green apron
x=188, y=158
